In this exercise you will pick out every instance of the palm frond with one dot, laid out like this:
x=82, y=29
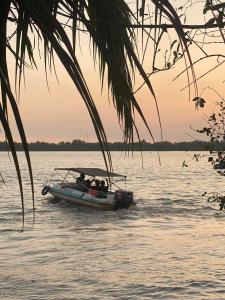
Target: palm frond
x=54, y=34
x=106, y=20
x=4, y=80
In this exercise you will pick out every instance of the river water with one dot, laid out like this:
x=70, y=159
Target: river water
x=170, y=246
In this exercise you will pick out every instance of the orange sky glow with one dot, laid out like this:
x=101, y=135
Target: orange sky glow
x=60, y=115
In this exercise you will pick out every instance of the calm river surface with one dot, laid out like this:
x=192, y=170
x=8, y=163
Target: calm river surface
x=170, y=246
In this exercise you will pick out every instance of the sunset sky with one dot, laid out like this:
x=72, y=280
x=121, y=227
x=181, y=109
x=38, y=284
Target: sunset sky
x=60, y=115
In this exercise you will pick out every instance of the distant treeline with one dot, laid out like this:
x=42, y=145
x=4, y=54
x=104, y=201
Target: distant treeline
x=79, y=145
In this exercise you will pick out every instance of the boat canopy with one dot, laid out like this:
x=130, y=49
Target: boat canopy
x=92, y=172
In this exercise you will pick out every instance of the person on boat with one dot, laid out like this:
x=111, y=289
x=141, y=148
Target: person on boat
x=80, y=184
x=88, y=183
x=97, y=184
x=220, y=156
x=92, y=192
x=103, y=187
x=81, y=178
x=99, y=190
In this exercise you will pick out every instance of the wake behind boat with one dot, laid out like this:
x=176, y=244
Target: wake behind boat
x=93, y=188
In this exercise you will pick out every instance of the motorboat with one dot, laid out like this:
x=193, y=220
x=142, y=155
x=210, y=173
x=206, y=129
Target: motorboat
x=92, y=187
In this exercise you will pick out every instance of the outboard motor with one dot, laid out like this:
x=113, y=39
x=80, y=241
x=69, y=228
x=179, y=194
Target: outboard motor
x=123, y=199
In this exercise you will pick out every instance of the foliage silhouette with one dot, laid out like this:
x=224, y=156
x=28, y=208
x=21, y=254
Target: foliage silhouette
x=215, y=132
x=79, y=145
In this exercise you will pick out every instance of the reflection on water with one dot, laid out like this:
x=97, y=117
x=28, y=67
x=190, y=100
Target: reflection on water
x=170, y=246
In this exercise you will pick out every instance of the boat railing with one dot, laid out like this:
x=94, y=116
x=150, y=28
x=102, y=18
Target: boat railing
x=64, y=181
x=114, y=183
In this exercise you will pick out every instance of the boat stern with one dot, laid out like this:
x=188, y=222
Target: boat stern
x=123, y=199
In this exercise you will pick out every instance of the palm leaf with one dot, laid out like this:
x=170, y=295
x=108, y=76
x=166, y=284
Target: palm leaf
x=106, y=19
x=55, y=35
x=11, y=143
x=4, y=82
x=20, y=129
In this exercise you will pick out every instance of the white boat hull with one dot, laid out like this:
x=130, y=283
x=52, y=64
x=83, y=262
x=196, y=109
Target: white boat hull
x=81, y=198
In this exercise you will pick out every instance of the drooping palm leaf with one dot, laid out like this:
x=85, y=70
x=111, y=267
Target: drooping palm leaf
x=10, y=141
x=19, y=123
x=55, y=35
x=106, y=19
x=4, y=79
